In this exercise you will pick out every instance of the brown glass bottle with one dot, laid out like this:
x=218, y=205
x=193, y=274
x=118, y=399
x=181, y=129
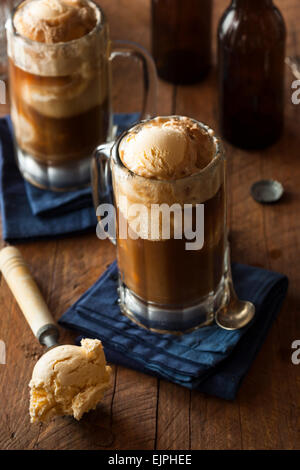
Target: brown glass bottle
x=181, y=39
x=251, y=51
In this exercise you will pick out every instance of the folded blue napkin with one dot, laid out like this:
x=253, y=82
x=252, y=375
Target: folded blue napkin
x=49, y=203
x=31, y=213
x=210, y=359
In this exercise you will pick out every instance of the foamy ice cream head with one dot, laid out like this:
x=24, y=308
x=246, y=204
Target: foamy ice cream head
x=52, y=21
x=68, y=380
x=166, y=148
x=180, y=162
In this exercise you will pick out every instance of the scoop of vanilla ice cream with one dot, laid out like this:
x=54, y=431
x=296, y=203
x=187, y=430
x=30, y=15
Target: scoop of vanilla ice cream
x=52, y=21
x=68, y=380
x=164, y=149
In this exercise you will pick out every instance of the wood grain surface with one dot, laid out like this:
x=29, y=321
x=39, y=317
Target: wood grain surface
x=141, y=412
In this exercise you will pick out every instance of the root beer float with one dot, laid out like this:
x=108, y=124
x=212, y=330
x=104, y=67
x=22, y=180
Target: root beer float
x=163, y=284
x=58, y=52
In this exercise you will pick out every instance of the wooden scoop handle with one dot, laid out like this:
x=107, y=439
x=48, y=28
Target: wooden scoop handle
x=28, y=295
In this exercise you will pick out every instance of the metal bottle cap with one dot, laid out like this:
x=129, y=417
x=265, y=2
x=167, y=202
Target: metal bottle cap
x=267, y=191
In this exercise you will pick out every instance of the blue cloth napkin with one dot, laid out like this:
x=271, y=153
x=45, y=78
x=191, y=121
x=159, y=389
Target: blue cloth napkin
x=31, y=213
x=210, y=359
x=49, y=203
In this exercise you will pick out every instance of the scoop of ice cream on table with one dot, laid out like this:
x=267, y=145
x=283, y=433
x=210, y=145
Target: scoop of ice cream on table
x=68, y=380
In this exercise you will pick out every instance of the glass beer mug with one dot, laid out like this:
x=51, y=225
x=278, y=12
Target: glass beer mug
x=167, y=284
x=61, y=99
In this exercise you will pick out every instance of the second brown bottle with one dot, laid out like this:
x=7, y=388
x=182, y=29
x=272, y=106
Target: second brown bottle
x=251, y=50
x=181, y=39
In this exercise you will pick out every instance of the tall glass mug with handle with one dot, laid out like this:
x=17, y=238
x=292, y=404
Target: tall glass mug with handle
x=60, y=79
x=166, y=180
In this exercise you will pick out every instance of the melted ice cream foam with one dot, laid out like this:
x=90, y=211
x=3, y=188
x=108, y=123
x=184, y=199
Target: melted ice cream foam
x=52, y=21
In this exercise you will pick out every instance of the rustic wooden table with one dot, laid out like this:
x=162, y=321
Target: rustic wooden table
x=141, y=412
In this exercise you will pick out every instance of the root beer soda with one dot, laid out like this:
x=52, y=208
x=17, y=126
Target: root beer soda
x=172, y=260
x=59, y=83
x=181, y=39
x=251, y=52
x=60, y=56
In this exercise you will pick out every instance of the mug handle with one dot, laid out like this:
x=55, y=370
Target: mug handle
x=138, y=53
x=102, y=186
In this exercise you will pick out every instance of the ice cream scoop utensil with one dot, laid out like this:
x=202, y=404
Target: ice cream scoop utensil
x=28, y=296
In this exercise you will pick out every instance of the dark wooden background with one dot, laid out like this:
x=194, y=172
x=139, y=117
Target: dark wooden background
x=141, y=412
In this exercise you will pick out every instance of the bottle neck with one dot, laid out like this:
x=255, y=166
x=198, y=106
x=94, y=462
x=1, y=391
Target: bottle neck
x=252, y=4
